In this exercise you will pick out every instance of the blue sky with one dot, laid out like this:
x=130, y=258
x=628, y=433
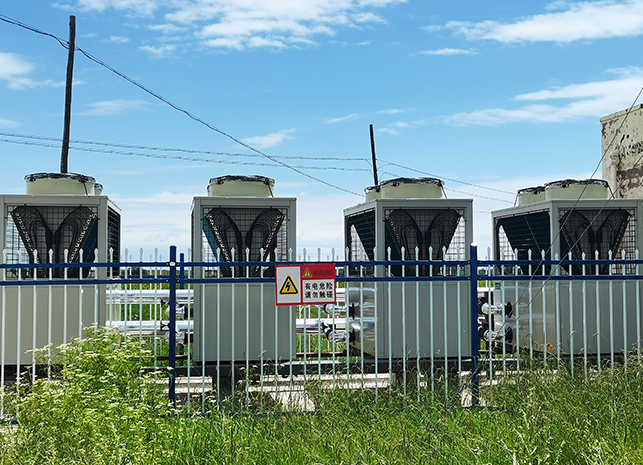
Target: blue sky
x=488, y=96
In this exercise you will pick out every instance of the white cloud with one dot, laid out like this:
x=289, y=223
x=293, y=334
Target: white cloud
x=118, y=40
x=577, y=21
x=255, y=42
x=26, y=83
x=395, y=127
x=226, y=42
x=254, y=32
x=556, y=5
x=12, y=65
x=592, y=99
x=165, y=28
x=135, y=7
x=115, y=107
x=14, y=70
x=342, y=119
x=6, y=123
x=269, y=140
x=249, y=23
x=379, y=3
x=155, y=222
x=368, y=17
x=158, y=52
x=320, y=222
x=394, y=111
x=406, y=124
x=447, y=51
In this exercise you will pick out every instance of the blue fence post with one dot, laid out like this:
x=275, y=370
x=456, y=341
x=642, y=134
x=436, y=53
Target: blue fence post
x=475, y=341
x=172, y=325
x=182, y=271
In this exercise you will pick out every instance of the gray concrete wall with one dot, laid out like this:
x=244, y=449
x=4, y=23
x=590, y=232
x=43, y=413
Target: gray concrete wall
x=622, y=146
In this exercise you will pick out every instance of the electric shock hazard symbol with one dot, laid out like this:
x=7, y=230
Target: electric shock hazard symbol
x=288, y=287
x=305, y=284
x=288, y=284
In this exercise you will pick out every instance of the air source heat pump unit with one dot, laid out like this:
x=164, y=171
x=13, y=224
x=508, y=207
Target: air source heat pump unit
x=62, y=219
x=240, y=220
x=563, y=219
x=407, y=219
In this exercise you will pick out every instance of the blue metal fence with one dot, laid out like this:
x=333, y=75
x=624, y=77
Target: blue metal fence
x=410, y=329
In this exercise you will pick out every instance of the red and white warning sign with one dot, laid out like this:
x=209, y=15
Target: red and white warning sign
x=305, y=284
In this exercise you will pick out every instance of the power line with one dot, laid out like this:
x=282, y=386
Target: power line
x=458, y=191
x=178, y=157
x=275, y=159
x=156, y=95
x=228, y=154
x=164, y=149
x=448, y=179
x=476, y=195
x=15, y=22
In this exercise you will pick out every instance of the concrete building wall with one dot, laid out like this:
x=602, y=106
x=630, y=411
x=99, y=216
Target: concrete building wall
x=622, y=144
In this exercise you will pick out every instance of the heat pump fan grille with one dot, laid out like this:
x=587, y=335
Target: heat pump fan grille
x=519, y=235
x=431, y=231
x=113, y=238
x=42, y=234
x=590, y=231
x=360, y=237
x=229, y=232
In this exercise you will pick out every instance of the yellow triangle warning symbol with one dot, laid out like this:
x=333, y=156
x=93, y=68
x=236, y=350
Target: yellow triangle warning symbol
x=288, y=287
x=308, y=274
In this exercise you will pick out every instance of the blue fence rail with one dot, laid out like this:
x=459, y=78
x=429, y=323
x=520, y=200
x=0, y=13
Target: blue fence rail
x=396, y=323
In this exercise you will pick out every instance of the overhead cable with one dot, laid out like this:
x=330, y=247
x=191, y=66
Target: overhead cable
x=447, y=179
x=165, y=149
x=177, y=157
x=455, y=190
x=190, y=115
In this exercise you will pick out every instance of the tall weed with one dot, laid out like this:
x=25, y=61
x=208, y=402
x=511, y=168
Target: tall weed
x=103, y=407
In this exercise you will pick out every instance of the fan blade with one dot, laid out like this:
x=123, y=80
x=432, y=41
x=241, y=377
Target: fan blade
x=34, y=232
x=263, y=232
x=441, y=231
x=74, y=231
x=225, y=232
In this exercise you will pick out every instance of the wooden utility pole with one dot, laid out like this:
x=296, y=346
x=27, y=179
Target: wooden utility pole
x=70, y=75
x=373, y=154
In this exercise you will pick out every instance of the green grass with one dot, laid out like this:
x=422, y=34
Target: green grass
x=102, y=408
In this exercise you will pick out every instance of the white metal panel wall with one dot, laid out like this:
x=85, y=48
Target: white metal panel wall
x=577, y=317
x=78, y=305
x=237, y=321
x=416, y=319
x=595, y=317
x=36, y=316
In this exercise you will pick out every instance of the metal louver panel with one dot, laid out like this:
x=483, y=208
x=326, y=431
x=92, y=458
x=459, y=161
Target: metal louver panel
x=76, y=232
x=403, y=228
x=223, y=234
x=363, y=226
x=261, y=238
x=588, y=232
